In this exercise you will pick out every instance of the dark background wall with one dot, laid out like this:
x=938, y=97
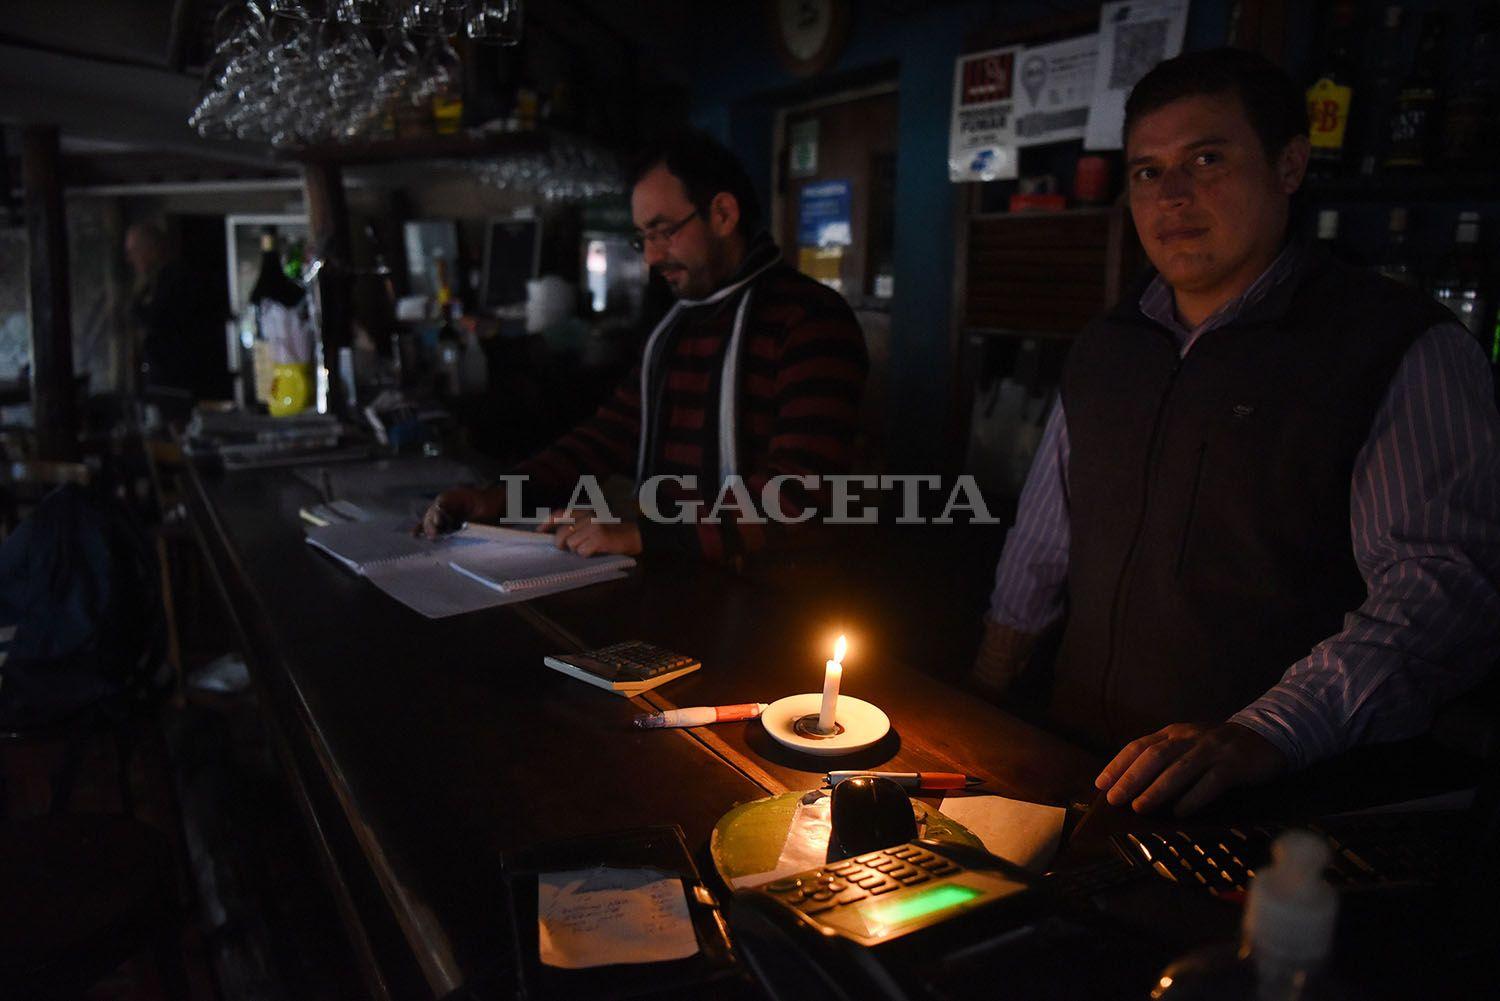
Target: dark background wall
x=739, y=84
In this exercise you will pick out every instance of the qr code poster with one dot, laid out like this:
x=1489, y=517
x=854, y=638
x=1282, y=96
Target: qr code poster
x=1133, y=37
x=1138, y=48
x=982, y=138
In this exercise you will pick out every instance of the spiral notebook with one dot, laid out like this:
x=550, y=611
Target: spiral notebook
x=499, y=567
x=512, y=568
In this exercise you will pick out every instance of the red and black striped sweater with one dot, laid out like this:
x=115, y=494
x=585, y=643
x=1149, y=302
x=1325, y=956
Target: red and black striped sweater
x=801, y=369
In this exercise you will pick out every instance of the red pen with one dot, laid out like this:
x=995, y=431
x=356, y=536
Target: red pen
x=913, y=780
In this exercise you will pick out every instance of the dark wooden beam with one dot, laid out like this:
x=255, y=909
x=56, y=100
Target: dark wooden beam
x=53, y=402
x=1032, y=32
x=184, y=20
x=328, y=223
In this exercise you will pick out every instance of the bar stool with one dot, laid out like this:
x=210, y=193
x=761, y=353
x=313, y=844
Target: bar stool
x=84, y=893
x=119, y=718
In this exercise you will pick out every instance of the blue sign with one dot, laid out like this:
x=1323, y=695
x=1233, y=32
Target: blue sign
x=824, y=217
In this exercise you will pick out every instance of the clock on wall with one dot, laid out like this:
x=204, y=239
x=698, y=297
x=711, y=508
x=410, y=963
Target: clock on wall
x=809, y=33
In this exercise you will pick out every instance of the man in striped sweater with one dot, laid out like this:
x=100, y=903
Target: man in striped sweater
x=755, y=373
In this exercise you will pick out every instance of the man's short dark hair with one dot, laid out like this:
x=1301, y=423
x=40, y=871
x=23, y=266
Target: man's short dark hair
x=1274, y=105
x=705, y=168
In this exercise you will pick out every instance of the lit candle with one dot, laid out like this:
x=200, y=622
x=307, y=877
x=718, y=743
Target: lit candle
x=833, y=673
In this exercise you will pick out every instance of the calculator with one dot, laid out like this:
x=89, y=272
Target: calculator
x=628, y=668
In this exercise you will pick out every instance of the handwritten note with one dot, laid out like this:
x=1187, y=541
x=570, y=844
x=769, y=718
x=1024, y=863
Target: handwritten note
x=600, y=916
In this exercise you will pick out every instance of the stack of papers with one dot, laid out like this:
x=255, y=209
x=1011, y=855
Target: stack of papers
x=244, y=440
x=479, y=567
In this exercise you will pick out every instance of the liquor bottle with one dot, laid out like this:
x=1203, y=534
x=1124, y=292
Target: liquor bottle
x=1471, y=108
x=1378, y=94
x=473, y=367
x=444, y=294
x=280, y=336
x=292, y=266
x=445, y=70
x=1414, y=118
x=1328, y=232
x=450, y=349
x=1459, y=284
x=1286, y=936
x=1331, y=95
x=1395, y=261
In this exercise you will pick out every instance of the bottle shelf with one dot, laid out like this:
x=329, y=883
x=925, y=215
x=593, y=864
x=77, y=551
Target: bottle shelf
x=1418, y=186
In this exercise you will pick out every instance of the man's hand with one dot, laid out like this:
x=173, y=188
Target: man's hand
x=460, y=504
x=576, y=529
x=1189, y=763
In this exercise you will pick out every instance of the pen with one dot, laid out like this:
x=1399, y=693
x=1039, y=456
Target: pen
x=699, y=715
x=913, y=780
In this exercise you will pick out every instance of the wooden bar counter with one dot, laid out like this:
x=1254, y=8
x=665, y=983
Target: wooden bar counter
x=421, y=750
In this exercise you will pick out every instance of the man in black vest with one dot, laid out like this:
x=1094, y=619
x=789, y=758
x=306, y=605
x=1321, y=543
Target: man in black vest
x=1267, y=508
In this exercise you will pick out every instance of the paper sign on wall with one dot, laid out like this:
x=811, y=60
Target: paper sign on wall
x=802, y=156
x=824, y=217
x=1055, y=85
x=1133, y=37
x=982, y=137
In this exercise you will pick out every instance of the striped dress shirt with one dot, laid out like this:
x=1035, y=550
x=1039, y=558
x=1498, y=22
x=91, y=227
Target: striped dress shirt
x=1425, y=520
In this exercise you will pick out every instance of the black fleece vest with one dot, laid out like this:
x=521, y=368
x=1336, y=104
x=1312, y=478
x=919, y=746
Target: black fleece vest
x=1209, y=496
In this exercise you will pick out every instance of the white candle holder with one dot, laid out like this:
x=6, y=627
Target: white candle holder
x=793, y=722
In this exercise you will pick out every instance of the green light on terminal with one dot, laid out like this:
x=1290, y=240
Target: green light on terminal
x=899, y=912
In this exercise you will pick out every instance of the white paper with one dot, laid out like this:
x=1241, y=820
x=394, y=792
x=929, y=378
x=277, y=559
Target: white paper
x=289, y=337
x=1133, y=37
x=1054, y=85
x=437, y=591
x=600, y=916
x=1026, y=834
x=419, y=572
x=513, y=567
x=982, y=138
x=364, y=545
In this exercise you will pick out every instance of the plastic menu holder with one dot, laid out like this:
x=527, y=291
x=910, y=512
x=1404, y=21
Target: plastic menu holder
x=658, y=848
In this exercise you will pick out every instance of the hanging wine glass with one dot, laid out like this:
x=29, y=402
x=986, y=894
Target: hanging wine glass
x=300, y=10
x=432, y=18
x=372, y=14
x=237, y=19
x=497, y=22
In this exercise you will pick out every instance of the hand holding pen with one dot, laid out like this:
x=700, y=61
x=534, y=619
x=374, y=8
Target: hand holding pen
x=456, y=506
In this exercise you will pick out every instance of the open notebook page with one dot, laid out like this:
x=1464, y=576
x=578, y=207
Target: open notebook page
x=362, y=545
x=522, y=567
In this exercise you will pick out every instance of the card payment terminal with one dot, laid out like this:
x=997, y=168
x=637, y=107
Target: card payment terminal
x=848, y=929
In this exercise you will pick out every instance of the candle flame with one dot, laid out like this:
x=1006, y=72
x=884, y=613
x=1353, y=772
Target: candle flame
x=839, y=649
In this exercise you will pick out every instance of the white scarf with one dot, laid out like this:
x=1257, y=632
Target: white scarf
x=729, y=387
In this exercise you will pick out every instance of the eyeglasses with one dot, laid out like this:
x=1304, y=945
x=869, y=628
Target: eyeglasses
x=659, y=235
